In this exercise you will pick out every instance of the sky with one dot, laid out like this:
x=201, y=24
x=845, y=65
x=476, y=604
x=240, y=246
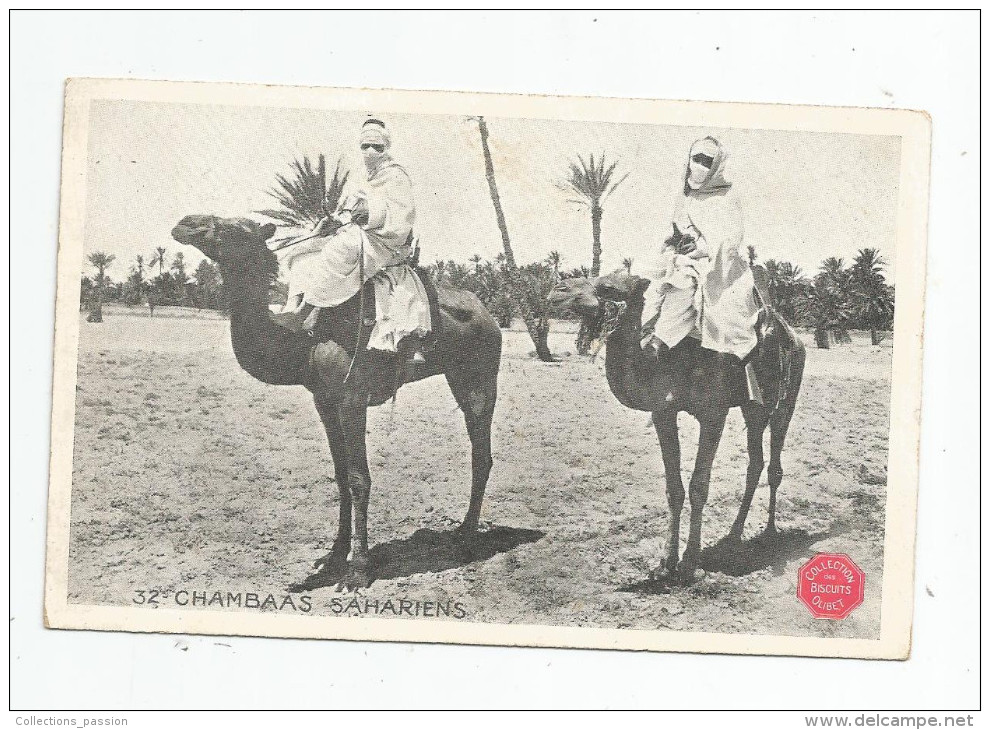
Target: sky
x=805, y=195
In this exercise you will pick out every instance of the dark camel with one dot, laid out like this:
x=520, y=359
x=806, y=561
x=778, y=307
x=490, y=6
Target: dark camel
x=467, y=353
x=707, y=385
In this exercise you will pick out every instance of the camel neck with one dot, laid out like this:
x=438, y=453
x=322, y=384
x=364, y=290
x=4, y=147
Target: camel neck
x=270, y=353
x=634, y=377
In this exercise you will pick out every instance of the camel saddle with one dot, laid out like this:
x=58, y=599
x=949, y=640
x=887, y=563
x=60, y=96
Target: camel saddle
x=350, y=324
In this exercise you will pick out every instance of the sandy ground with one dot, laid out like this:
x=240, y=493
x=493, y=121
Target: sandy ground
x=190, y=476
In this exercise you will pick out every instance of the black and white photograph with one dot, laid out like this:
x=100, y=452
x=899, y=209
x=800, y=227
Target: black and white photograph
x=479, y=369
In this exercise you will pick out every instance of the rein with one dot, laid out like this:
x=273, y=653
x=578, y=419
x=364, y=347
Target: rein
x=610, y=323
x=357, y=343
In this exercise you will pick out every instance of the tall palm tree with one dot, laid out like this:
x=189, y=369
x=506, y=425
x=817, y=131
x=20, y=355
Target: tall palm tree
x=101, y=261
x=306, y=196
x=510, y=258
x=553, y=259
x=523, y=283
x=627, y=263
x=873, y=299
x=592, y=182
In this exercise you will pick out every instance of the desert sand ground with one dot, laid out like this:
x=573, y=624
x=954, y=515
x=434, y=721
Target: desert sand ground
x=190, y=475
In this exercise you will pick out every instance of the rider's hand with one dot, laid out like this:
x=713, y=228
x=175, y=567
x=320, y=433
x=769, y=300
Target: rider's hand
x=321, y=226
x=360, y=211
x=687, y=245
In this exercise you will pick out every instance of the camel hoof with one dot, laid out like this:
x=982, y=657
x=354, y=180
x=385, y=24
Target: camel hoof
x=355, y=580
x=686, y=570
x=334, y=564
x=733, y=538
x=665, y=572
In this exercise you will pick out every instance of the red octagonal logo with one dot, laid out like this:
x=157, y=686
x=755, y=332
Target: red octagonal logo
x=831, y=585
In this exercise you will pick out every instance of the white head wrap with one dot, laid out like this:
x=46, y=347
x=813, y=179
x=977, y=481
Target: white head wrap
x=374, y=132
x=716, y=180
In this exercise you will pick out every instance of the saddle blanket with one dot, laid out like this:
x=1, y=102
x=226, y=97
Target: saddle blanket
x=401, y=303
x=401, y=307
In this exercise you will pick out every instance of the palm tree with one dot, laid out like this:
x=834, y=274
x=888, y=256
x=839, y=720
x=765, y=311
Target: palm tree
x=159, y=260
x=553, y=259
x=101, y=261
x=179, y=276
x=134, y=286
x=592, y=182
x=873, y=300
x=476, y=260
x=525, y=283
x=627, y=263
x=787, y=286
x=827, y=303
x=306, y=196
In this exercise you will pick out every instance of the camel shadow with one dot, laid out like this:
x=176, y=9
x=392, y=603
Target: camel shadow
x=429, y=551
x=773, y=550
x=741, y=557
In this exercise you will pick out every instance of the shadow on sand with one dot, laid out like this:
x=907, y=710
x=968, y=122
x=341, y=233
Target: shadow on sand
x=741, y=557
x=429, y=551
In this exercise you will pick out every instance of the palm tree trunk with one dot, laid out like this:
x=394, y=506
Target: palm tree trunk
x=596, y=240
x=510, y=258
x=591, y=325
x=538, y=330
x=96, y=313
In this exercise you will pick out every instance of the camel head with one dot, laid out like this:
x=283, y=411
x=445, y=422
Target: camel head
x=584, y=296
x=620, y=286
x=576, y=295
x=230, y=242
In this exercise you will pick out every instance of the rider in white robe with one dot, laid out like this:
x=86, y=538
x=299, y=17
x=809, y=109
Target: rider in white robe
x=703, y=286
x=327, y=271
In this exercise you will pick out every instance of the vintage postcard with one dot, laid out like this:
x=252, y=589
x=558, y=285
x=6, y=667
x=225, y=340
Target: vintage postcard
x=482, y=369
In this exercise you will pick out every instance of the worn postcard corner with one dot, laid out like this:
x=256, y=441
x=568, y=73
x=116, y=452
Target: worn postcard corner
x=482, y=369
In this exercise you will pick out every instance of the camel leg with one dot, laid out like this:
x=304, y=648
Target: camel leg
x=354, y=418
x=476, y=399
x=779, y=423
x=336, y=562
x=756, y=424
x=665, y=423
x=711, y=433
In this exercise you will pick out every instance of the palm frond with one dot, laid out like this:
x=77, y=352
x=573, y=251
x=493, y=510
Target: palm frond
x=303, y=195
x=591, y=178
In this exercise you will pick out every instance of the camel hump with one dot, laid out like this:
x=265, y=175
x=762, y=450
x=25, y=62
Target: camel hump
x=461, y=305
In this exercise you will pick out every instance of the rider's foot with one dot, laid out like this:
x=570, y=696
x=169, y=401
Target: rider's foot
x=651, y=345
x=753, y=391
x=295, y=320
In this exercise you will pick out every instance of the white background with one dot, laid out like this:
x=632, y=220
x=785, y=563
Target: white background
x=914, y=60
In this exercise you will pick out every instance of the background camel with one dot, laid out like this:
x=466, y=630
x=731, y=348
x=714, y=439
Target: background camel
x=467, y=353
x=707, y=385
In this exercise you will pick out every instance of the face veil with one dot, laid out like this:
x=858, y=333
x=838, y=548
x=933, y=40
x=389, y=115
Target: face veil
x=708, y=151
